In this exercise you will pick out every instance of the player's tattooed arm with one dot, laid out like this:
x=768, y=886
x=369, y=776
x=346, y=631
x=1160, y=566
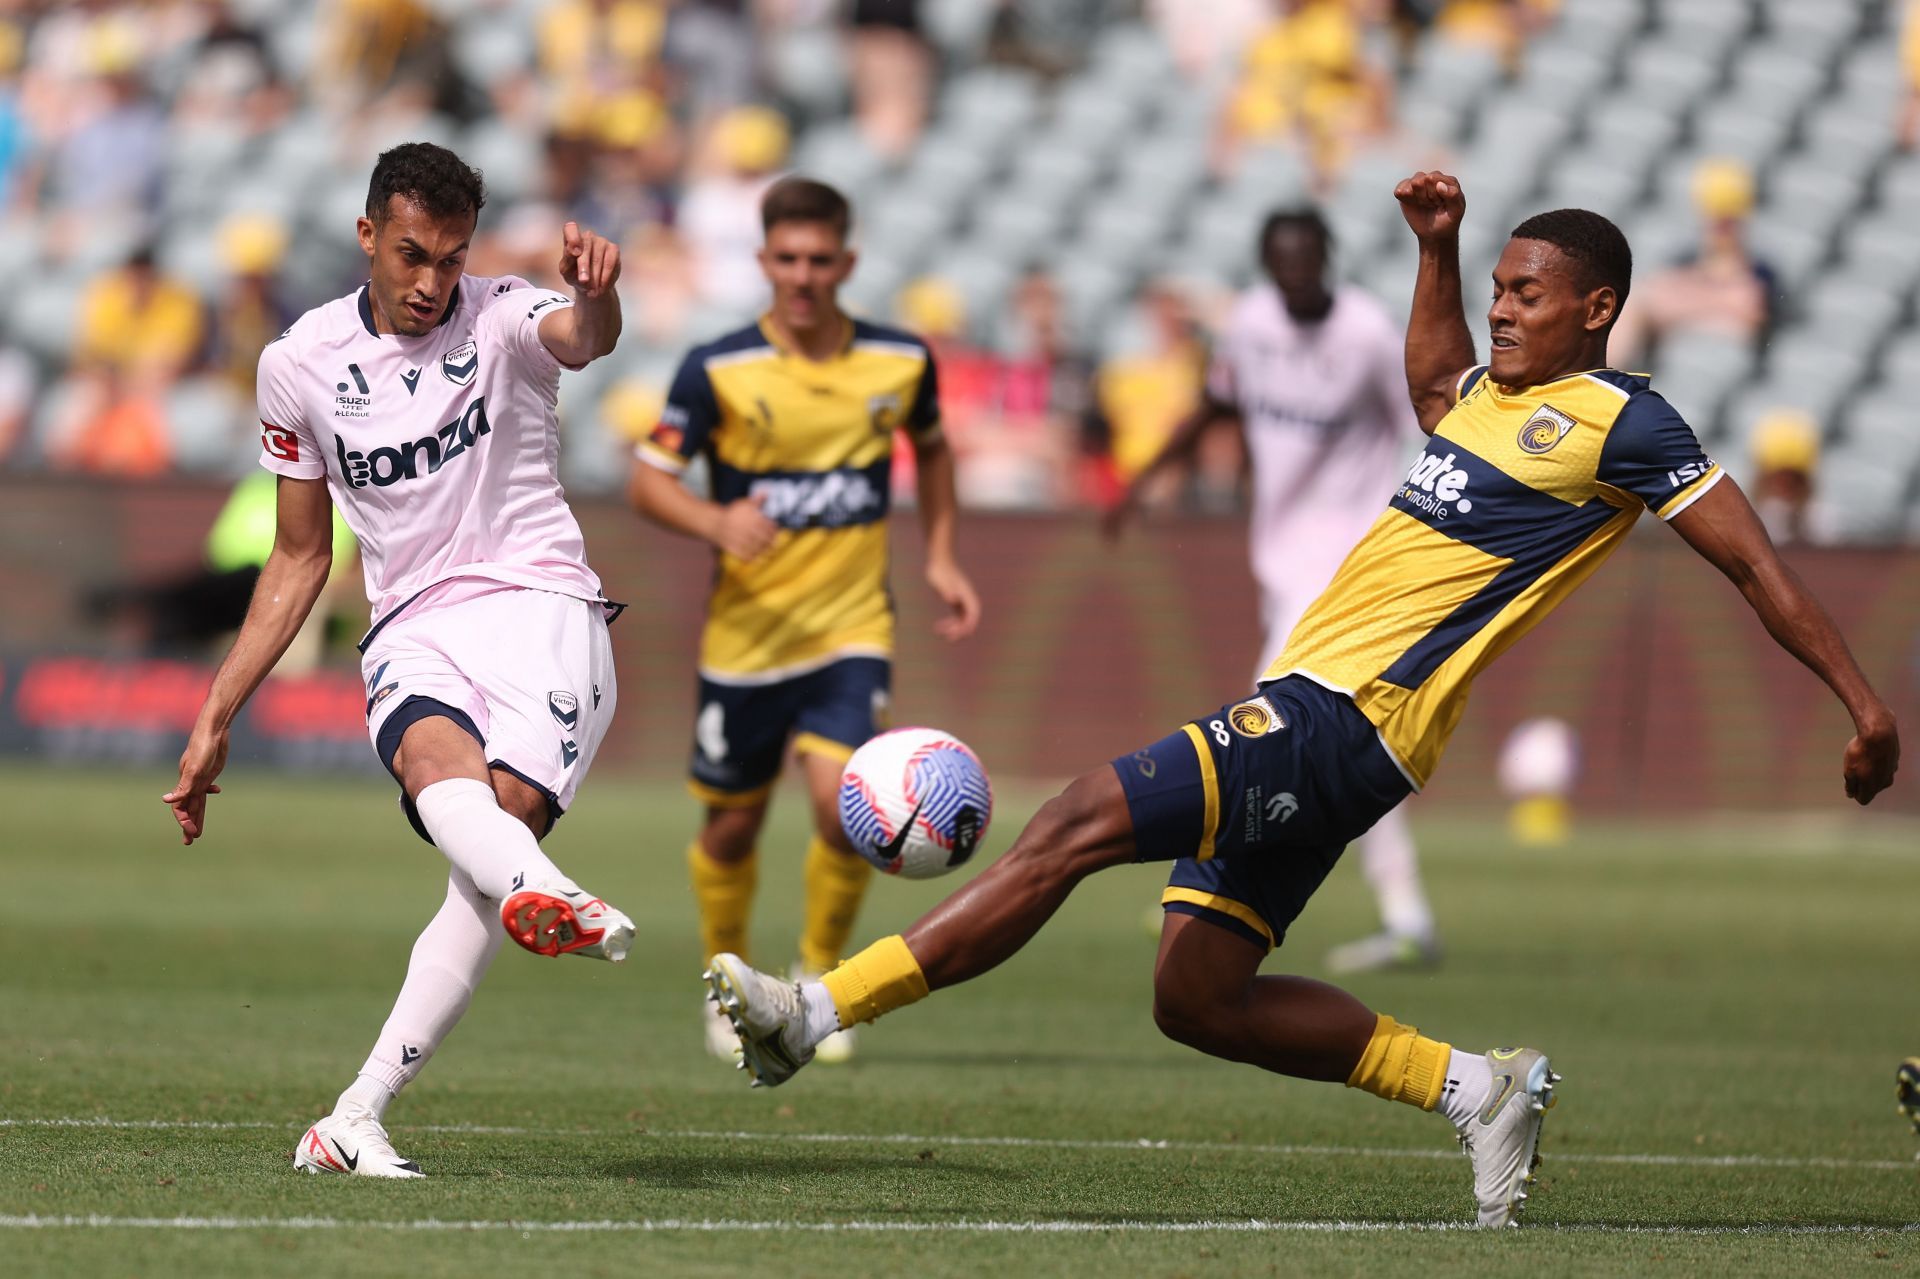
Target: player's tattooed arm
x=1439, y=345
x=933, y=459
x=582, y=333
x=290, y=582
x=1722, y=526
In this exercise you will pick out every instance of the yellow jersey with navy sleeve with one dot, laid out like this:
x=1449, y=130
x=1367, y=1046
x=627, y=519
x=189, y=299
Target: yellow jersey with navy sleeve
x=1519, y=496
x=813, y=439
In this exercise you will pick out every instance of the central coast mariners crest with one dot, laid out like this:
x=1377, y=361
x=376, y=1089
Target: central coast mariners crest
x=460, y=364
x=1255, y=717
x=883, y=412
x=1546, y=428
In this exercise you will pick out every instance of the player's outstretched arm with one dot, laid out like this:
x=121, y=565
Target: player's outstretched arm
x=939, y=507
x=1722, y=526
x=582, y=333
x=290, y=581
x=1439, y=346
x=1179, y=446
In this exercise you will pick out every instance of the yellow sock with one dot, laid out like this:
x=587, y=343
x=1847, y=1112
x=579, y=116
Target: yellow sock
x=1401, y=1064
x=879, y=979
x=836, y=882
x=724, y=891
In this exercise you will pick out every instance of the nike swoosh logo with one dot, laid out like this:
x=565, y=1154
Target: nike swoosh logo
x=891, y=849
x=1502, y=1089
x=352, y=1161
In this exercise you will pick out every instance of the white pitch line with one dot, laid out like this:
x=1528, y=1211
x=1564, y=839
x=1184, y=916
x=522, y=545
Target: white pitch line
x=1057, y=1227
x=1031, y=1143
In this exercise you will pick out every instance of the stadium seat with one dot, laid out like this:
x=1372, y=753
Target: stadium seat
x=207, y=425
x=1118, y=228
x=959, y=28
x=44, y=313
x=1811, y=195
x=1084, y=115
x=1710, y=28
x=837, y=153
x=1900, y=186
x=1453, y=72
x=1867, y=498
x=990, y=103
x=1900, y=373
x=1820, y=28
x=1730, y=130
x=1865, y=308
x=1272, y=176
x=1792, y=251
x=507, y=157
x=1669, y=77
x=1631, y=135
x=808, y=65
x=1019, y=230
x=1053, y=172
x=1779, y=77
x=1882, y=426
x=1697, y=372
x=1850, y=140
x=1131, y=53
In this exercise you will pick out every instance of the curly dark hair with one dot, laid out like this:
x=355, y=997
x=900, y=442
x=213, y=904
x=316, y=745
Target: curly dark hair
x=1303, y=218
x=1590, y=240
x=429, y=176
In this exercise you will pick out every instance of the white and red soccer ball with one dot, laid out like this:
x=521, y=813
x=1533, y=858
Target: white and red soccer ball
x=915, y=802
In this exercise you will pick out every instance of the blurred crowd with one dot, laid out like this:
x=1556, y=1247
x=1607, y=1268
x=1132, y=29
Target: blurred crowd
x=177, y=176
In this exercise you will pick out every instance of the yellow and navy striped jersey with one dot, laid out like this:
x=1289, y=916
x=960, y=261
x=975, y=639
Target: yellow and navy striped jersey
x=814, y=440
x=1520, y=494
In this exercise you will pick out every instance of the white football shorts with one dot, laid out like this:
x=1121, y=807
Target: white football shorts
x=531, y=672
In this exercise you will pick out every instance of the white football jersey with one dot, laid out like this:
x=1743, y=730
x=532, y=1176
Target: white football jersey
x=1327, y=418
x=441, y=450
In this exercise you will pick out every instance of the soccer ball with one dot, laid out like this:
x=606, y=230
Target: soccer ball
x=915, y=802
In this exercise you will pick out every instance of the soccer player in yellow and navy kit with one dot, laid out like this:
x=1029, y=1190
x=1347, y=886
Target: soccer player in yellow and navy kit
x=796, y=417
x=1539, y=462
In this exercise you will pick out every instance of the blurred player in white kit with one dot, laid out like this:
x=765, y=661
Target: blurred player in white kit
x=1315, y=378
x=423, y=406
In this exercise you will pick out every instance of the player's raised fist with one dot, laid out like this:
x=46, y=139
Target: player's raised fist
x=588, y=262
x=1432, y=203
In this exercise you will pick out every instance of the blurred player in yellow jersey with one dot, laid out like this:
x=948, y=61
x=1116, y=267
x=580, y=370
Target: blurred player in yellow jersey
x=796, y=417
x=1538, y=463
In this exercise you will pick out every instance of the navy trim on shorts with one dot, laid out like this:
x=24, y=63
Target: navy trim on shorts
x=411, y=712
x=554, y=811
x=394, y=612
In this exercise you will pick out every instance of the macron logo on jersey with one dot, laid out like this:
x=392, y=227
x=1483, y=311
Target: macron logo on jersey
x=409, y=461
x=1435, y=485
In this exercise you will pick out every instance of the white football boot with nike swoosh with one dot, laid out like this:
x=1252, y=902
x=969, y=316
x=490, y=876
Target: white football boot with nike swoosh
x=1503, y=1138
x=767, y=1013
x=352, y=1142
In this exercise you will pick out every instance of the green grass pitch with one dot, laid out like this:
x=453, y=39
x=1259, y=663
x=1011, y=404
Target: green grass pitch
x=1728, y=1004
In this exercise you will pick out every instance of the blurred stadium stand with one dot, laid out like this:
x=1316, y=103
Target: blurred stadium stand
x=1113, y=146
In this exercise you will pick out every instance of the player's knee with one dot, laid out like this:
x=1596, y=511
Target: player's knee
x=1082, y=829
x=1187, y=1016
x=729, y=834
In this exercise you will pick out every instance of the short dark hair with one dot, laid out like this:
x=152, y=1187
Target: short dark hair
x=805, y=200
x=1590, y=240
x=1304, y=218
x=430, y=176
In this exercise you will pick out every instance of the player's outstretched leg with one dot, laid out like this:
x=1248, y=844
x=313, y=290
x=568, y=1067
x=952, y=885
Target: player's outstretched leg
x=1207, y=994
x=1083, y=829
x=450, y=957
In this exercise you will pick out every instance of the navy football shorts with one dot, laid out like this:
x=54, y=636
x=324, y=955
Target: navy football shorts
x=1256, y=802
x=740, y=731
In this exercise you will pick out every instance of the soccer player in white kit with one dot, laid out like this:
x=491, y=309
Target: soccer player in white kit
x=1314, y=377
x=422, y=405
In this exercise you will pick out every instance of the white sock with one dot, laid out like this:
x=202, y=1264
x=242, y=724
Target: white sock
x=452, y=954
x=365, y=1093
x=1469, y=1080
x=822, y=1017
x=494, y=848
x=1392, y=867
